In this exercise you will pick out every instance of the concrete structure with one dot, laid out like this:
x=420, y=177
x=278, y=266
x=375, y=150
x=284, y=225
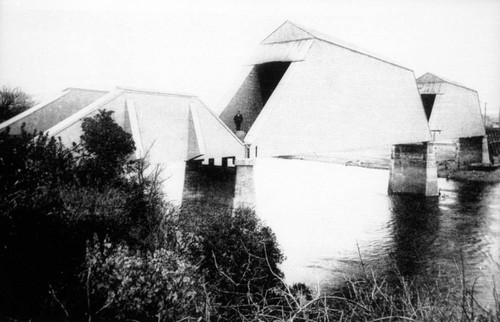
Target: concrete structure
x=167, y=127
x=413, y=170
x=244, y=190
x=455, y=120
x=304, y=92
x=45, y=115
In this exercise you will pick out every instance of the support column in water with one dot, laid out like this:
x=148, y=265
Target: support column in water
x=244, y=191
x=486, y=152
x=473, y=150
x=413, y=170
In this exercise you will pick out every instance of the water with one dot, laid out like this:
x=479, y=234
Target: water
x=321, y=213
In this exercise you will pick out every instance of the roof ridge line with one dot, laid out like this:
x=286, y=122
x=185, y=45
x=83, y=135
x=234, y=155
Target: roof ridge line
x=152, y=91
x=318, y=35
x=445, y=80
x=365, y=54
x=304, y=29
x=33, y=109
x=69, y=121
x=85, y=89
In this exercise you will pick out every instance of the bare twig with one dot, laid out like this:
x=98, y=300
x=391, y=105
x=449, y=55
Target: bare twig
x=53, y=293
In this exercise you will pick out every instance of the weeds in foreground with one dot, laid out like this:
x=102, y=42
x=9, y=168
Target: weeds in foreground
x=376, y=297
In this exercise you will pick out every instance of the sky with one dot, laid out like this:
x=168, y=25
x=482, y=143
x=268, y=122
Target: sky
x=200, y=46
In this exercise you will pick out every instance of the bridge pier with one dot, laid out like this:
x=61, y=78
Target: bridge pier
x=473, y=150
x=413, y=170
x=244, y=190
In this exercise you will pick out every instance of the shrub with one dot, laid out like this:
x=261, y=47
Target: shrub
x=12, y=102
x=160, y=285
x=47, y=212
x=239, y=259
x=106, y=148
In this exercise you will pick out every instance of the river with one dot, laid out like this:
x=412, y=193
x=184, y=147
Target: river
x=321, y=213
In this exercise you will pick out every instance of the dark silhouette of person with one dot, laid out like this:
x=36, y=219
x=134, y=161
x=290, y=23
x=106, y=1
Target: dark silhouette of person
x=238, y=119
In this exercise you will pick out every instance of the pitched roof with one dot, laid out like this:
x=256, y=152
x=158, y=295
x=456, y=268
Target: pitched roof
x=172, y=127
x=429, y=78
x=456, y=111
x=292, y=32
x=334, y=98
x=50, y=112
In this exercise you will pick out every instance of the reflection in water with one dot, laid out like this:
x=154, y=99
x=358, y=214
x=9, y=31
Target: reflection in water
x=414, y=227
x=320, y=213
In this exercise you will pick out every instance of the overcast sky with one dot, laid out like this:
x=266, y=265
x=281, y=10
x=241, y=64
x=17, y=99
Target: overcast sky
x=199, y=46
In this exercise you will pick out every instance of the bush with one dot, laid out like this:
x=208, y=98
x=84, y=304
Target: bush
x=84, y=233
x=12, y=102
x=161, y=285
x=106, y=148
x=239, y=259
x=49, y=208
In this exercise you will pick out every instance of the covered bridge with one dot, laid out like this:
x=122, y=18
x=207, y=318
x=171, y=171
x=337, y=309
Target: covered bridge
x=168, y=127
x=304, y=92
x=45, y=115
x=454, y=115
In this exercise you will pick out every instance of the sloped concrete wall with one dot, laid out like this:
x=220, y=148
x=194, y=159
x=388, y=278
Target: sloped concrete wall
x=339, y=100
x=248, y=100
x=56, y=111
x=456, y=113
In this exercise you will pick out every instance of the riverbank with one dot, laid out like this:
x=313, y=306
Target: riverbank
x=397, y=298
x=483, y=175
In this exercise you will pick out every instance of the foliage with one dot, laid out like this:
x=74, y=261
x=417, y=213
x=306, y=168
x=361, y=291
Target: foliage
x=29, y=161
x=47, y=213
x=106, y=148
x=382, y=298
x=238, y=256
x=159, y=285
x=12, y=102
x=75, y=246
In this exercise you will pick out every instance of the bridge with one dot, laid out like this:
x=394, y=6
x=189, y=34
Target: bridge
x=301, y=92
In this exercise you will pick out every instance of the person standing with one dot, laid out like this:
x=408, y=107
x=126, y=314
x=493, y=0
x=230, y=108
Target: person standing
x=238, y=119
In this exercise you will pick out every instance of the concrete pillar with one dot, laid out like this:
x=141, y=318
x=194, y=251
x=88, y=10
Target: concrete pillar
x=208, y=185
x=413, y=170
x=486, y=153
x=431, y=176
x=470, y=150
x=244, y=191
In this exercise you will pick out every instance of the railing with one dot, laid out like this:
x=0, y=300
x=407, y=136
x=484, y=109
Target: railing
x=493, y=135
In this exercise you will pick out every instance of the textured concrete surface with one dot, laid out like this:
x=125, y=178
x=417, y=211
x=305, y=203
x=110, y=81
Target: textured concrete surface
x=413, y=170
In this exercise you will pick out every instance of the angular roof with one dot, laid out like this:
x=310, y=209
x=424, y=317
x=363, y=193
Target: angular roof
x=168, y=127
x=293, y=32
x=429, y=78
x=325, y=96
x=47, y=114
x=456, y=112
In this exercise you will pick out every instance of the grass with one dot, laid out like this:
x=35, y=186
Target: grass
x=378, y=298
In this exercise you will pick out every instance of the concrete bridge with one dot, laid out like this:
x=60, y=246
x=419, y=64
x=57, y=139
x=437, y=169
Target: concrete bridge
x=302, y=92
